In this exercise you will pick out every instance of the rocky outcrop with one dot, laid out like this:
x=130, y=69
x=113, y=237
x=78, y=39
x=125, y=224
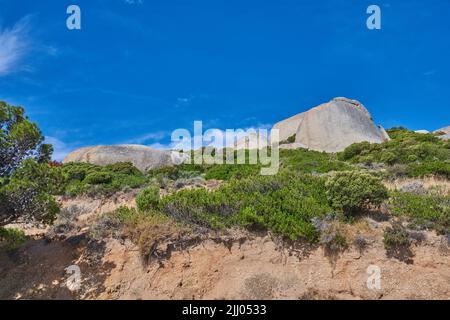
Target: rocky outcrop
x=445, y=130
x=288, y=127
x=332, y=126
x=444, y=133
x=142, y=157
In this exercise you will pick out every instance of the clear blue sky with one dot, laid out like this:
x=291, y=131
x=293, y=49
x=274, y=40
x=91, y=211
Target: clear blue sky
x=139, y=69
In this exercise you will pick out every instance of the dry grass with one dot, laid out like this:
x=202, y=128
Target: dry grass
x=440, y=185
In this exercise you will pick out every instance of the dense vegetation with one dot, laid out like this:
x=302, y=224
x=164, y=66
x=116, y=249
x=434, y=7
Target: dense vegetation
x=26, y=181
x=84, y=178
x=420, y=154
x=310, y=188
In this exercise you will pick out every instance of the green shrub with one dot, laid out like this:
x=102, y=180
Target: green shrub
x=284, y=204
x=396, y=238
x=307, y=161
x=11, y=239
x=231, y=171
x=79, y=171
x=425, y=210
x=354, y=150
x=148, y=199
x=85, y=178
x=98, y=178
x=290, y=139
x=439, y=168
x=353, y=191
x=29, y=193
x=390, y=157
x=406, y=147
x=125, y=168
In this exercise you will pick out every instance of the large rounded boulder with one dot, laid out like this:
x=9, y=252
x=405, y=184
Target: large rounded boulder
x=443, y=133
x=332, y=126
x=142, y=157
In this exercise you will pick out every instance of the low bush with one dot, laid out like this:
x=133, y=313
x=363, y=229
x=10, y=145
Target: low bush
x=353, y=192
x=231, y=171
x=396, y=238
x=284, y=204
x=425, y=154
x=148, y=199
x=437, y=168
x=98, y=178
x=307, y=161
x=146, y=229
x=29, y=193
x=11, y=239
x=425, y=210
x=290, y=139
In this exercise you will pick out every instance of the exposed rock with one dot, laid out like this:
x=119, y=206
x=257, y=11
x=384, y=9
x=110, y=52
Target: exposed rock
x=443, y=133
x=288, y=127
x=142, y=157
x=422, y=131
x=294, y=145
x=445, y=130
x=332, y=126
x=384, y=134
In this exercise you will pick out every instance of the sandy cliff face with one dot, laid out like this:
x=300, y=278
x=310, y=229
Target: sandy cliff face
x=232, y=265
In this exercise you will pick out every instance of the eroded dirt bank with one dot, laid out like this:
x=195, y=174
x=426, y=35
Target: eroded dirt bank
x=237, y=265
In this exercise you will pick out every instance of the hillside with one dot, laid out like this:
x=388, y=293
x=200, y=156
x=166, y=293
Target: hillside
x=224, y=231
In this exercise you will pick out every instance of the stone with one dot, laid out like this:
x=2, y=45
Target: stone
x=142, y=157
x=332, y=126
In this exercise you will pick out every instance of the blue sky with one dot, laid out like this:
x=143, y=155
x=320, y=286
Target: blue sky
x=139, y=69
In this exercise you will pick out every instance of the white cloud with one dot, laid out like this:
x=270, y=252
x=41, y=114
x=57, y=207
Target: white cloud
x=160, y=146
x=152, y=136
x=134, y=1
x=14, y=45
x=60, y=149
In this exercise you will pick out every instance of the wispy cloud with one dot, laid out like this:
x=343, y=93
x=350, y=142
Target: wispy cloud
x=160, y=146
x=152, y=136
x=60, y=149
x=14, y=45
x=133, y=1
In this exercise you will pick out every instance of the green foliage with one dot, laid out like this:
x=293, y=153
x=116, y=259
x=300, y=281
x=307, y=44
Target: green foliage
x=27, y=182
x=284, y=204
x=231, y=171
x=353, y=191
x=302, y=160
x=396, y=238
x=148, y=199
x=145, y=228
x=19, y=139
x=11, y=239
x=28, y=194
x=424, y=154
x=291, y=139
x=425, y=210
x=125, y=168
x=94, y=179
x=440, y=168
x=98, y=178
